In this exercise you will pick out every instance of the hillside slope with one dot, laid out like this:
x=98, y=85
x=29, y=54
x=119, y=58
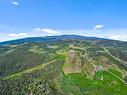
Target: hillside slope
x=63, y=65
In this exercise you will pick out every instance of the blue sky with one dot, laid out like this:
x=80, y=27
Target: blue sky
x=29, y=18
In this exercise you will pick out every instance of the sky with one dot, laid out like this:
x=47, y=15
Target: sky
x=39, y=18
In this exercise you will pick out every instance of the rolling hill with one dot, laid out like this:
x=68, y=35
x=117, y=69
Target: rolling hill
x=63, y=65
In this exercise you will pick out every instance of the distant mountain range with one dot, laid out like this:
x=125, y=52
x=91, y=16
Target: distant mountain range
x=51, y=38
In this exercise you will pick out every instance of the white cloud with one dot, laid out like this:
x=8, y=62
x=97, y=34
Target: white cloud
x=46, y=30
x=118, y=37
x=50, y=31
x=12, y=35
x=116, y=34
x=17, y=35
x=15, y=3
x=37, y=29
x=99, y=26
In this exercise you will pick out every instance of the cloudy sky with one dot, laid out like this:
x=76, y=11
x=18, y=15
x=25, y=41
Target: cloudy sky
x=30, y=18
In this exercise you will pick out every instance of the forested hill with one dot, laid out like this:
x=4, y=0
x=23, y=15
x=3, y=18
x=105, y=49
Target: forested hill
x=63, y=65
x=50, y=38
